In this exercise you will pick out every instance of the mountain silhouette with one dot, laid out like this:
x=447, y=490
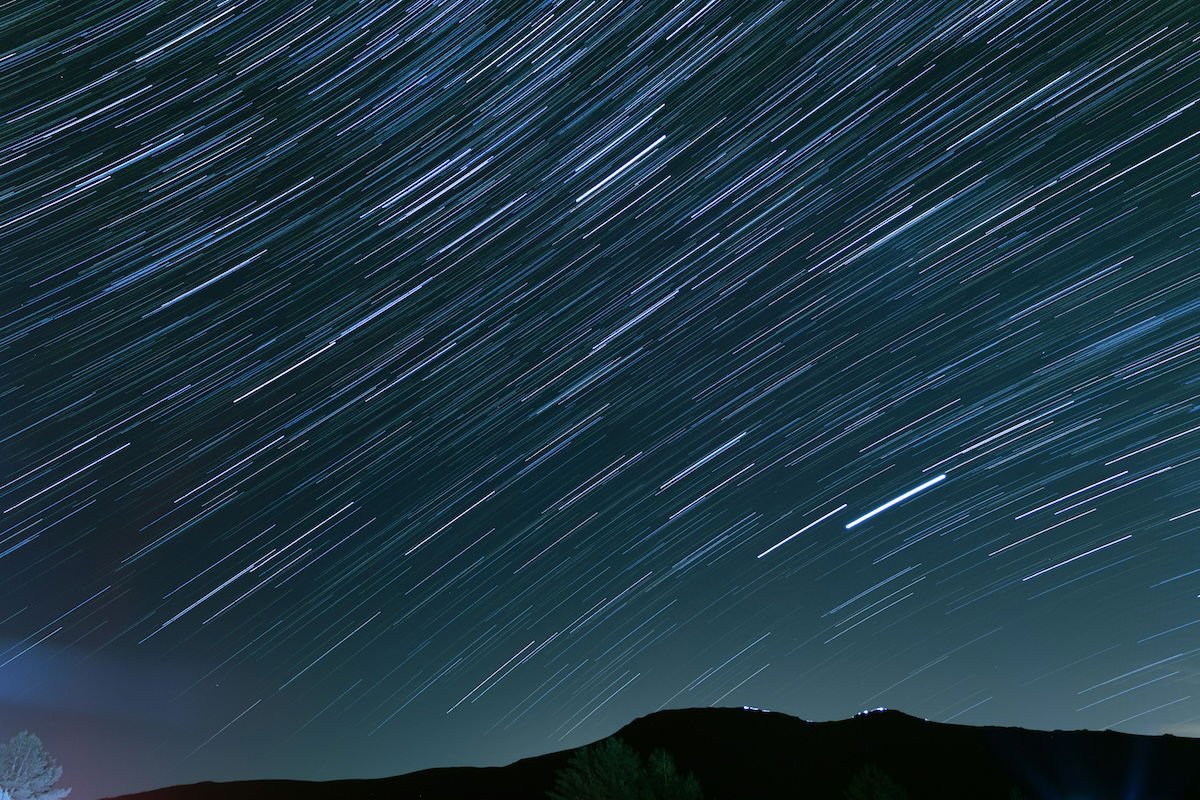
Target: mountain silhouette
x=745, y=753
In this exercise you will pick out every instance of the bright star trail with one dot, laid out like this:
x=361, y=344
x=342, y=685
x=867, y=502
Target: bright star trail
x=390, y=385
x=894, y=501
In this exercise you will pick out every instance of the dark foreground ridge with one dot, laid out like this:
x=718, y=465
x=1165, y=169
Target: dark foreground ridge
x=747, y=754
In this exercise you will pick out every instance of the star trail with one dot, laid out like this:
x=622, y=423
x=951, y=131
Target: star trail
x=390, y=384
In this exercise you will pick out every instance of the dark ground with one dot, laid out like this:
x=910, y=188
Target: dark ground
x=742, y=753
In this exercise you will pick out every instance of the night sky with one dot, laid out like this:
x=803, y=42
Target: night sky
x=394, y=384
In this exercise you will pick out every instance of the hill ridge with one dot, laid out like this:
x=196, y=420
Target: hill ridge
x=738, y=752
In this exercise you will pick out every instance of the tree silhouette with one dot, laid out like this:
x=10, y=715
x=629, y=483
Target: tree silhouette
x=612, y=770
x=666, y=783
x=872, y=783
x=27, y=771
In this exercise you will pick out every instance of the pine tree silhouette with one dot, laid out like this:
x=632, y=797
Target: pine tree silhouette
x=872, y=783
x=612, y=770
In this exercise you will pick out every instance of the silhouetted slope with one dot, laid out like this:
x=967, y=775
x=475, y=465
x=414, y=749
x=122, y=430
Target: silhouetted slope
x=739, y=753
x=735, y=753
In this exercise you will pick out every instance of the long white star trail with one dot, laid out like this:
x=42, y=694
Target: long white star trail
x=900, y=498
x=557, y=362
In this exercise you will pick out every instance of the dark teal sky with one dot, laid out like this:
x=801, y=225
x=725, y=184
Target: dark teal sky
x=395, y=385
